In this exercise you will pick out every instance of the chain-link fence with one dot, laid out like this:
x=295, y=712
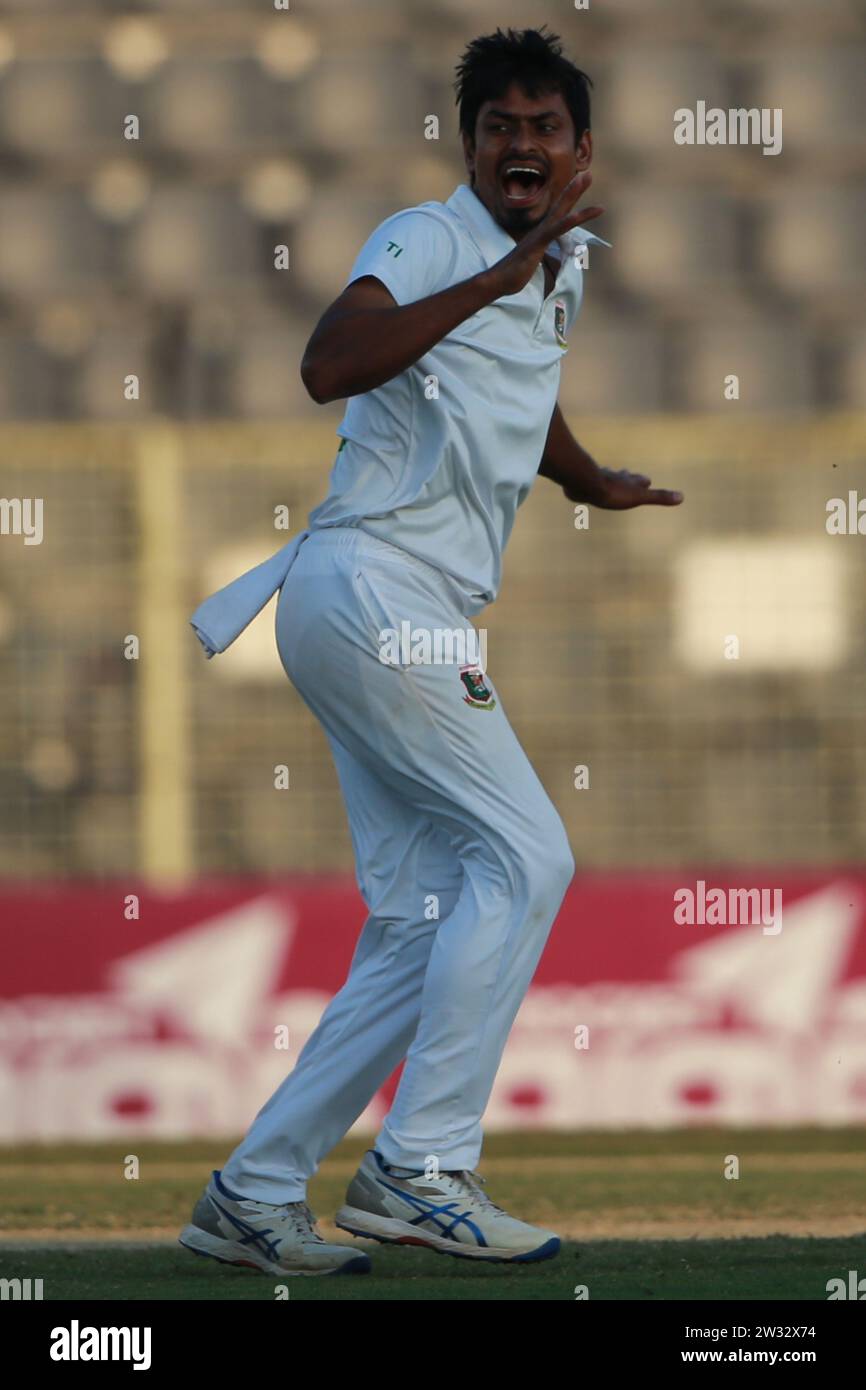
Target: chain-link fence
x=704, y=665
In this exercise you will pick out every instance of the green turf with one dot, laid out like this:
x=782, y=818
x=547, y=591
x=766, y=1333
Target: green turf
x=598, y=1183
x=771, y=1268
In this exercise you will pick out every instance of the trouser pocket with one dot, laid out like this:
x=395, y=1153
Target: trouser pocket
x=389, y=616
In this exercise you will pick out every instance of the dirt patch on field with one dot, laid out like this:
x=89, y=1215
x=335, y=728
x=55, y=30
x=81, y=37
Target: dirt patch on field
x=601, y=1225
x=616, y=1226
x=561, y=1166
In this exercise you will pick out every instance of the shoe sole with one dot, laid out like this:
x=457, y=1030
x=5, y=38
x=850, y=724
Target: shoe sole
x=227, y=1252
x=389, y=1231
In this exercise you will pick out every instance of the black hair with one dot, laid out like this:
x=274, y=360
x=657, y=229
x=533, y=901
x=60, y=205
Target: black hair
x=529, y=57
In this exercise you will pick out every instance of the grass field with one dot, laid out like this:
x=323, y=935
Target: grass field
x=646, y=1216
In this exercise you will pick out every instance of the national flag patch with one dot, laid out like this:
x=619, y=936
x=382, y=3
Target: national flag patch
x=478, y=692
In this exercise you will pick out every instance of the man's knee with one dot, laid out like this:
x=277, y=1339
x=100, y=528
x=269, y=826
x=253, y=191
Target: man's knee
x=531, y=862
x=559, y=860
x=547, y=861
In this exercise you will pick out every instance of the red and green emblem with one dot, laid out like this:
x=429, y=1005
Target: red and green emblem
x=478, y=692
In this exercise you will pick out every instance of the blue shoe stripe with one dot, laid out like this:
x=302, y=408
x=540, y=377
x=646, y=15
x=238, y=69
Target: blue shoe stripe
x=465, y=1219
x=226, y=1192
x=258, y=1239
x=429, y=1211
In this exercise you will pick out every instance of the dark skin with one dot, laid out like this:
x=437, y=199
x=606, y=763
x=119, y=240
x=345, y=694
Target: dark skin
x=365, y=338
x=539, y=132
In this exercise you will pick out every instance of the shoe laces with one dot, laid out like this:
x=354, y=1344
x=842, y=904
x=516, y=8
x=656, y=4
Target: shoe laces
x=301, y=1217
x=303, y=1220
x=475, y=1183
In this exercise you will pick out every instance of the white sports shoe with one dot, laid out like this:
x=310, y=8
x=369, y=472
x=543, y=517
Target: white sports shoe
x=450, y=1213
x=275, y=1239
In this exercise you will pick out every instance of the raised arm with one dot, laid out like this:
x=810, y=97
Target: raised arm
x=365, y=338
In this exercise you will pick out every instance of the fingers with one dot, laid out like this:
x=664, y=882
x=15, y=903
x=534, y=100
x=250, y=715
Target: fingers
x=575, y=187
x=563, y=215
x=629, y=490
x=585, y=215
x=661, y=497
x=622, y=475
x=576, y=219
x=571, y=194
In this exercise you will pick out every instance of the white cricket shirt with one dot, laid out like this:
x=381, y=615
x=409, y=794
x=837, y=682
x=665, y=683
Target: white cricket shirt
x=438, y=460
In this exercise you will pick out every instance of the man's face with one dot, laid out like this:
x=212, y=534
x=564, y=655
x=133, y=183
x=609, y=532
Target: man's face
x=534, y=134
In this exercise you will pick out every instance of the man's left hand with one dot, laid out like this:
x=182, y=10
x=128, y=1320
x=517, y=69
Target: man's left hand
x=619, y=491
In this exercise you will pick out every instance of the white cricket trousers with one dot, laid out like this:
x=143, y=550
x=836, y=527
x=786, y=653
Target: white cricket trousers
x=461, y=859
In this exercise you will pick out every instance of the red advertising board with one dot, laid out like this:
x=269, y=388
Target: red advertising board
x=660, y=1000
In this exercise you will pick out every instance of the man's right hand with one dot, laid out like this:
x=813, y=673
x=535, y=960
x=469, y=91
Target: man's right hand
x=517, y=268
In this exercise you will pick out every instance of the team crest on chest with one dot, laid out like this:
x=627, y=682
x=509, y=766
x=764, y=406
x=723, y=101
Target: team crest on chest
x=559, y=322
x=478, y=692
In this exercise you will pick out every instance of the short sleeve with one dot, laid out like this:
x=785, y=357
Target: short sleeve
x=413, y=253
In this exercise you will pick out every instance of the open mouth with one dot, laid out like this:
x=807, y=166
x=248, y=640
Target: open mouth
x=522, y=184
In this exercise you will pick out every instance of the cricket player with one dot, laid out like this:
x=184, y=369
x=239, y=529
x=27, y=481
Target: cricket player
x=447, y=342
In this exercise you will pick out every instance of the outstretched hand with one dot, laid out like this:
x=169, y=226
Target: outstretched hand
x=619, y=491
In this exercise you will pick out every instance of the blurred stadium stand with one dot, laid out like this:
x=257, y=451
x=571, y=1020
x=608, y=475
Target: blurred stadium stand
x=156, y=257
x=306, y=128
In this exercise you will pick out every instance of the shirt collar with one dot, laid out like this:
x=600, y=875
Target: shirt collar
x=492, y=240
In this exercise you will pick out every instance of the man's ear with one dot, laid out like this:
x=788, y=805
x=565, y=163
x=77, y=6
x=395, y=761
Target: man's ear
x=583, y=151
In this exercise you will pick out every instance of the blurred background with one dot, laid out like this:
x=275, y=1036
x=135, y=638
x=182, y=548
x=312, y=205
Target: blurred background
x=143, y=767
